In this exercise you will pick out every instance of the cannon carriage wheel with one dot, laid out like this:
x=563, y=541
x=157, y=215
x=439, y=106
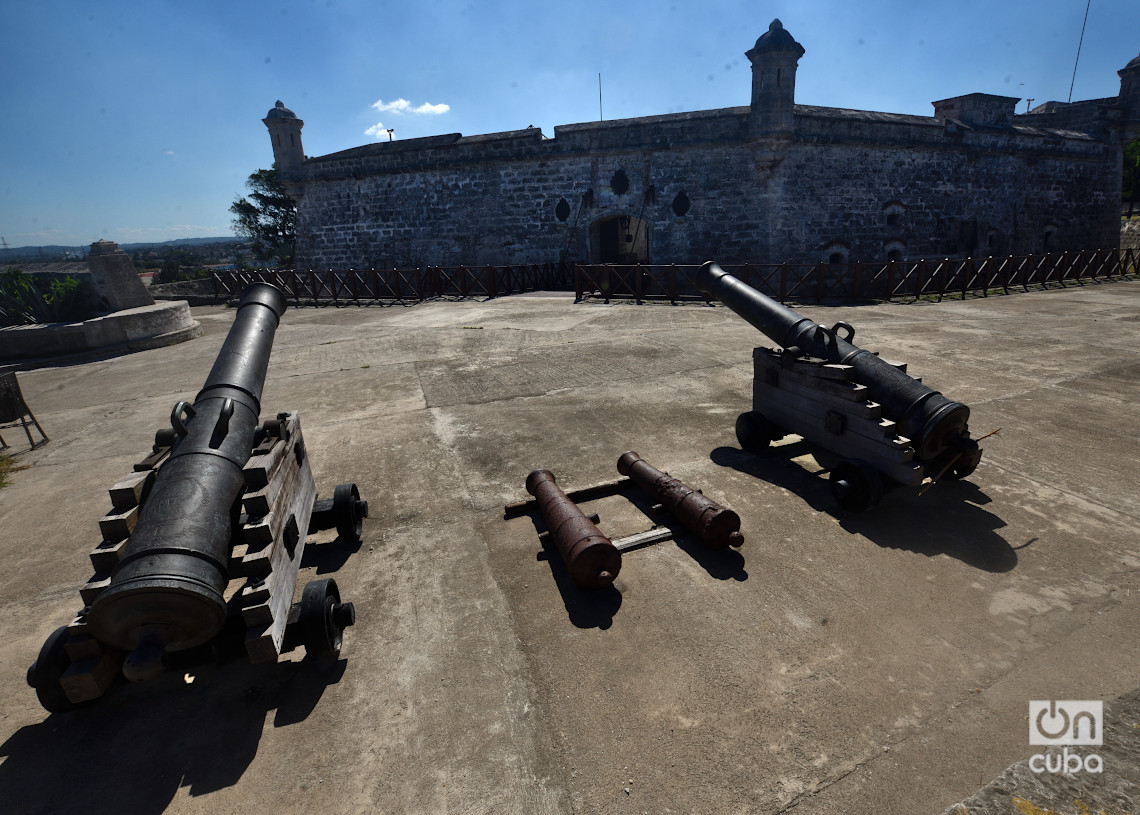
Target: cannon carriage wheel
x=349, y=511
x=856, y=485
x=323, y=618
x=755, y=432
x=45, y=673
x=965, y=461
x=344, y=512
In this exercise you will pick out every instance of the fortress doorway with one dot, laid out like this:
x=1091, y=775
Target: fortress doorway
x=619, y=239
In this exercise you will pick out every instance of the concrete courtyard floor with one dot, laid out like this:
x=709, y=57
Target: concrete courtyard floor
x=873, y=663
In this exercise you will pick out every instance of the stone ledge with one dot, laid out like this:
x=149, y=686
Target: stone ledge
x=1022, y=789
x=120, y=332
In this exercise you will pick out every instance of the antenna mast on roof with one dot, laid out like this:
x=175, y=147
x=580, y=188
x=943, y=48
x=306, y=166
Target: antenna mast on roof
x=1079, y=44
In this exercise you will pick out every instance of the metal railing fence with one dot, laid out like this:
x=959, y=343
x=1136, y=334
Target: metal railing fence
x=857, y=281
x=421, y=283
x=820, y=282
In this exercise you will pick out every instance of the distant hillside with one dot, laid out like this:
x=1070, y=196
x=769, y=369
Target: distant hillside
x=50, y=253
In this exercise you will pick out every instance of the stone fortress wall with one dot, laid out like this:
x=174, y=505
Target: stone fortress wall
x=769, y=182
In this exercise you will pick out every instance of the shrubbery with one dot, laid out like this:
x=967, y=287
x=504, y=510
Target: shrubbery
x=175, y=272
x=24, y=300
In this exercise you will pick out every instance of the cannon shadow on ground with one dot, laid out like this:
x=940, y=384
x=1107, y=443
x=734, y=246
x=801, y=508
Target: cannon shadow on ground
x=135, y=748
x=330, y=557
x=586, y=609
x=948, y=520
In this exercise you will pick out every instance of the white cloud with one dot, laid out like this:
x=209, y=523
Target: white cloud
x=169, y=153
x=377, y=131
x=404, y=106
x=399, y=106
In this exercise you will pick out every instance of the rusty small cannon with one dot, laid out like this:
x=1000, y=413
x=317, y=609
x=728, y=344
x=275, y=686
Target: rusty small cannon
x=590, y=557
x=888, y=427
x=222, y=497
x=717, y=526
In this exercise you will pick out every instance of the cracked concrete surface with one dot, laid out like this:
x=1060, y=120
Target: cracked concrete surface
x=881, y=662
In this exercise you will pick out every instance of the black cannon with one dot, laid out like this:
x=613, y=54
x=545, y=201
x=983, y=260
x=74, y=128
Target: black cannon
x=222, y=497
x=889, y=428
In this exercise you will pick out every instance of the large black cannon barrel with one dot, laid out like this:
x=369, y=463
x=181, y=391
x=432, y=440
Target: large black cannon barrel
x=166, y=593
x=934, y=423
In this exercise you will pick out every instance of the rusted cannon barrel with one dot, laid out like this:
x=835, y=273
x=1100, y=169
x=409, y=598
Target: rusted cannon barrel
x=935, y=423
x=592, y=560
x=717, y=526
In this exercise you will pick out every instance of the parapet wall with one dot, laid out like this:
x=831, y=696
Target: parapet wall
x=134, y=329
x=770, y=182
x=861, y=183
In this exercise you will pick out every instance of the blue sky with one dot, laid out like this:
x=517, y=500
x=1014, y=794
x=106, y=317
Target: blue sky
x=140, y=121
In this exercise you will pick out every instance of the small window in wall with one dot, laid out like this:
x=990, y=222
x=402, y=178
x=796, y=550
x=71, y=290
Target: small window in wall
x=1049, y=238
x=968, y=236
x=992, y=241
x=895, y=250
x=681, y=204
x=619, y=183
x=893, y=212
x=836, y=253
x=562, y=210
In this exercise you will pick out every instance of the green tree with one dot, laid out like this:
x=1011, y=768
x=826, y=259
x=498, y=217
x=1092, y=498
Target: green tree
x=1130, y=188
x=268, y=218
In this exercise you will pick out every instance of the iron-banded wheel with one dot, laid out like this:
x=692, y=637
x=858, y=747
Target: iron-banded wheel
x=755, y=432
x=349, y=512
x=967, y=461
x=323, y=618
x=856, y=485
x=46, y=671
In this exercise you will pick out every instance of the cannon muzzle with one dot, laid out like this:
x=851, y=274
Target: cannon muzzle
x=166, y=593
x=934, y=423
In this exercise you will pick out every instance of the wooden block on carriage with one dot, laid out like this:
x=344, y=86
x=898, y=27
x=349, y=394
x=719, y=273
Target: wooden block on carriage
x=107, y=554
x=266, y=460
x=89, y=678
x=274, y=540
x=95, y=586
x=132, y=490
x=117, y=524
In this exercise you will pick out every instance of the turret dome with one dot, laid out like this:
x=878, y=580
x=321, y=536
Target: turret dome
x=279, y=111
x=776, y=38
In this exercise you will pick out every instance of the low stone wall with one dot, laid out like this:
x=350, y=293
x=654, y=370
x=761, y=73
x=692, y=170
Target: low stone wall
x=134, y=329
x=195, y=292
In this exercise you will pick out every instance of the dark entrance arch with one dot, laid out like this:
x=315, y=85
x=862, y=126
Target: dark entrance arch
x=619, y=239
